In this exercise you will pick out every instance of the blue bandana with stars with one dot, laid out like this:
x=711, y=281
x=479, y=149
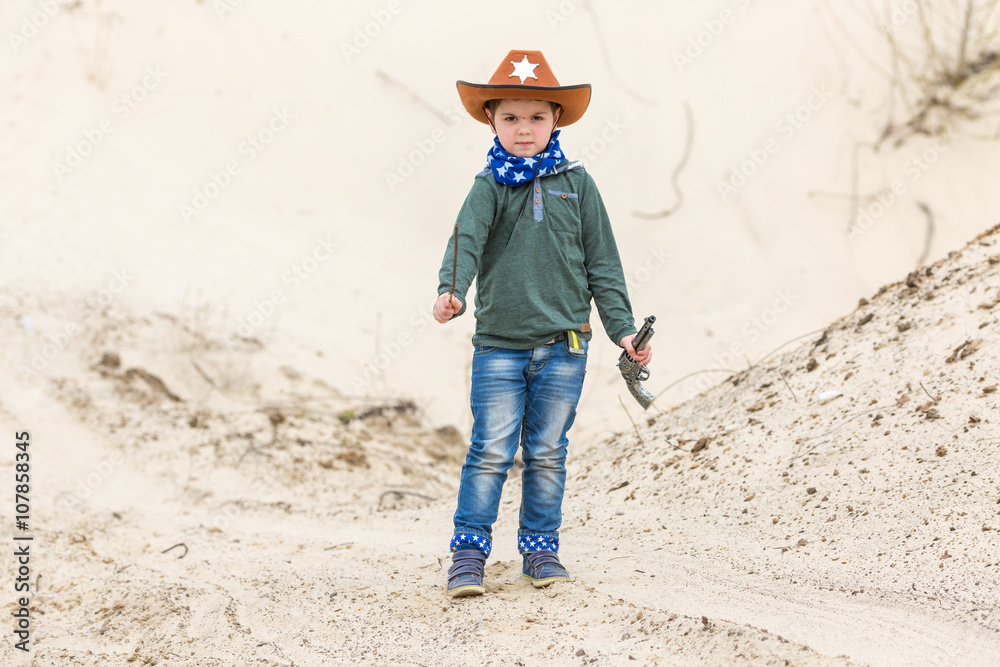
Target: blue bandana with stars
x=514, y=171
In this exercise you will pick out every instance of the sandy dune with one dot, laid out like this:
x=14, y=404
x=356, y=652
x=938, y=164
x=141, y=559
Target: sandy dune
x=220, y=230
x=834, y=504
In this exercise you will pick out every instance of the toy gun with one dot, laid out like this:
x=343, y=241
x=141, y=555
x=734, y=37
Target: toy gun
x=632, y=371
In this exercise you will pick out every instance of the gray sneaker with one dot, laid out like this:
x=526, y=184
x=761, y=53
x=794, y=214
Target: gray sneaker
x=543, y=568
x=465, y=576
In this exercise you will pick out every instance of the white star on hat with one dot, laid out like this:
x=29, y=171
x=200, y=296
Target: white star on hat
x=524, y=69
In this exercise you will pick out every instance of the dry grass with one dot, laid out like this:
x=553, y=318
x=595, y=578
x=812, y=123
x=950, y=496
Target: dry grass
x=942, y=61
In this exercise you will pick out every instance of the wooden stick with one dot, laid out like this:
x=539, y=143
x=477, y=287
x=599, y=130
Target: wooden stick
x=454, y=266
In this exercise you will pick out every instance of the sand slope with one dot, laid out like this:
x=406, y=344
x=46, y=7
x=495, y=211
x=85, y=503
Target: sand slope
x=222, y=475
x=219, y=506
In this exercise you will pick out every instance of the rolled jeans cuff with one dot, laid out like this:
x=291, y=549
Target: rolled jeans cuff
x=527, y=544
x=484, y=544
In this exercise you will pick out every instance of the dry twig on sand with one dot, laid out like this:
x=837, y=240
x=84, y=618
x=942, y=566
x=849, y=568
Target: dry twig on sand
x=602, y=43
x=929, y=237
x=675, y=176
x=412, y=94
x=637, y=434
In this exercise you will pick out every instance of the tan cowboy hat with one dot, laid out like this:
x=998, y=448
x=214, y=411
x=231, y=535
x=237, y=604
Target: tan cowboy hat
x=525, y=75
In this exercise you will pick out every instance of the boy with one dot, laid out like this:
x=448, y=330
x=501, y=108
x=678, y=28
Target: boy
x=535, y=234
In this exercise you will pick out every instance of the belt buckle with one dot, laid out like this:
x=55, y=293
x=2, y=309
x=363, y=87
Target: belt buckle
x=555, y=339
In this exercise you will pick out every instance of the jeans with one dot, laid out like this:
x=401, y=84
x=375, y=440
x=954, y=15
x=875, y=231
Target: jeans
x=526, y=398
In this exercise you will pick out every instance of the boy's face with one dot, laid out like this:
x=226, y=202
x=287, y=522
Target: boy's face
x=523, y=126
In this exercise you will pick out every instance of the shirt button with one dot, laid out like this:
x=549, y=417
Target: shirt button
x=538, y=201
x=564, y=195
x=538, y=189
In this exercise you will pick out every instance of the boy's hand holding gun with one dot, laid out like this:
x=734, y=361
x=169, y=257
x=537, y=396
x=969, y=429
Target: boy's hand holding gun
x=632, y=362
x=642, y=355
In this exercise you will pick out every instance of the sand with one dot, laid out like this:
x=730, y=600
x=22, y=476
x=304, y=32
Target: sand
x=220, y=233
x=834, y=504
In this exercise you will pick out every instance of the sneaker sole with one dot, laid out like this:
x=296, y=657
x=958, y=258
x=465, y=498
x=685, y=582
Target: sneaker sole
x=465, y=591
x=542, y=583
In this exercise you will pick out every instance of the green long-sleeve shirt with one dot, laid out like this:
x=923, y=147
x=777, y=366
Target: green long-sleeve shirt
x=536, y=274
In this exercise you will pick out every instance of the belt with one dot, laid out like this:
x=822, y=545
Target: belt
x=570, y=335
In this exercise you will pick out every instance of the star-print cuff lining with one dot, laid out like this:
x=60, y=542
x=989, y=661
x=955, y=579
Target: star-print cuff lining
x=482, y=543
x=527, y=544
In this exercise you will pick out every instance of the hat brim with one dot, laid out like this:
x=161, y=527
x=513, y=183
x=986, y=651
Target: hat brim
x=573, y=99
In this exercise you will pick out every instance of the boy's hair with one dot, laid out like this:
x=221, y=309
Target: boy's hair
x=493, y=104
